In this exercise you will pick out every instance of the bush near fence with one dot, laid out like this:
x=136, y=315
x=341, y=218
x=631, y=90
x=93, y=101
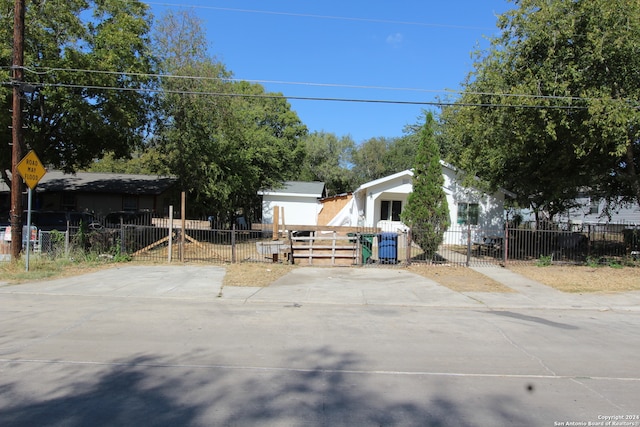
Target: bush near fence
x=576, y=243
x=553, y=243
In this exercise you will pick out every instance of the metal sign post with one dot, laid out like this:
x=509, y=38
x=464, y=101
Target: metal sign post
x=32, y=171
x=29, y=192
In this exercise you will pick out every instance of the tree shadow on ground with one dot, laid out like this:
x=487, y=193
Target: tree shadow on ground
x=117, y=397
x=319, y=388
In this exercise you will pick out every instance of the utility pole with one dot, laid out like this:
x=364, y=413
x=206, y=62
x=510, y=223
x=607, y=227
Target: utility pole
x=16, y=123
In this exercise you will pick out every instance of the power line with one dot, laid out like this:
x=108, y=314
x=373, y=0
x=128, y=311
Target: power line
x=309, y=98
x=230, y=79
x=46, y=71
x=329, y=17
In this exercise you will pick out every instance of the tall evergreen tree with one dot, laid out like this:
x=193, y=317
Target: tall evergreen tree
x=427, y=210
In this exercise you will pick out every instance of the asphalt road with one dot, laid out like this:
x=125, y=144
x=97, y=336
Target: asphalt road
x=163, y=346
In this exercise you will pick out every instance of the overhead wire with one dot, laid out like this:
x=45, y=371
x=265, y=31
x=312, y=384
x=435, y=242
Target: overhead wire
x=448, y=92
x=232, y=79
x=569, y=99
x=309, y=15
x=310, y=98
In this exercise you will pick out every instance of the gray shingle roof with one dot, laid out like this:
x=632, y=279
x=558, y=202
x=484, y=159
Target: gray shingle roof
x=313, y=188
x=105, y=183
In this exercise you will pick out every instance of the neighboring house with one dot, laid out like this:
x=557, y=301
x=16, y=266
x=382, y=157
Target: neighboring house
x=298, y=201
x=592, y=210
x=101, y=193
x=379, y=203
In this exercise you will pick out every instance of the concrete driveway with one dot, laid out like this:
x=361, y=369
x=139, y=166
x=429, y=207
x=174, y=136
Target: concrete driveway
x=165, y=345
x=357, y=286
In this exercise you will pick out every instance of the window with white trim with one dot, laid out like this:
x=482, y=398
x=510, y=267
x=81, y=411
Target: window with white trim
x=468, y=213
x=390, y=210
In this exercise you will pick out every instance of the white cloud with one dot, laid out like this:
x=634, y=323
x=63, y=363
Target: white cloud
x=395, y=40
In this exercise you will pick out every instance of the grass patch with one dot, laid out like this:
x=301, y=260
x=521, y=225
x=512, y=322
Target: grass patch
x=41, y=268
x=45, y=268
x=459, y=279
x=584, y=279
x=254, y=274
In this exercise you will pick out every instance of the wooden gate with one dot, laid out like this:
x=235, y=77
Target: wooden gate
x=325, y=250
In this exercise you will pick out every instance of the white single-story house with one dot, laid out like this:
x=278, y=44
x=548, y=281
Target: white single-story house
x=299, y=202
x=379, y=203
x=592, y=210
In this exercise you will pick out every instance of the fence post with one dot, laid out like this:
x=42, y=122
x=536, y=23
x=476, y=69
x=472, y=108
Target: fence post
x=170, y=249
x=183, y=224
x=408, y=249
x=505, y=245
x=468, y=244
x=122, y=245
x=290, y=235
x=589, y=240
x=233, y=244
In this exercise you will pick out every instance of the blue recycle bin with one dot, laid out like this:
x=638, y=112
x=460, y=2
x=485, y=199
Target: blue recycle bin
x=388, y=248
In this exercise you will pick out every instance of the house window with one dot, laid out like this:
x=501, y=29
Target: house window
x=68, y=202
x=390, y=210
x=468, y=213
x=594, y=206
x=130, y=203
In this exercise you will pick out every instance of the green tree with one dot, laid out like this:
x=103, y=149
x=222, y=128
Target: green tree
x=268, y=143
x=224, y=139
x=368, y=160
x=327, y=159
x=145, y=162
x=77, y=53
x=379, y=157
x=551, y=108
x=427, y=210
x=401, y=153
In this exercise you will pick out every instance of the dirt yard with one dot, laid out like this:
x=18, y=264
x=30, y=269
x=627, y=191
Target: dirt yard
x=254, y=274
x=459, y=279
x=580, y=279
x=564, y=278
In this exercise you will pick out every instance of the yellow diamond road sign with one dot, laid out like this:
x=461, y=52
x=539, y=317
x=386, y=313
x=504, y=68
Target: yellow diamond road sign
x=31, y=169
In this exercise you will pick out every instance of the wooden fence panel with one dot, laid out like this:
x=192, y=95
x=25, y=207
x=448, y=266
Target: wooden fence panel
x=325, y=250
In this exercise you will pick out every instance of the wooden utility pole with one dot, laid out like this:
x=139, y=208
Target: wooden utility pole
x=16, y=124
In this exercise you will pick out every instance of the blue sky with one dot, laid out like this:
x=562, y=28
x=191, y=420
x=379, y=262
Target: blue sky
x=422, y=45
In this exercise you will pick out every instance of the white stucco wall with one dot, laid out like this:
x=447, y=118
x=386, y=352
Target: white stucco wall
x=491, y=218
x=398, y=187
x=297, y=210
x=491, y=205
